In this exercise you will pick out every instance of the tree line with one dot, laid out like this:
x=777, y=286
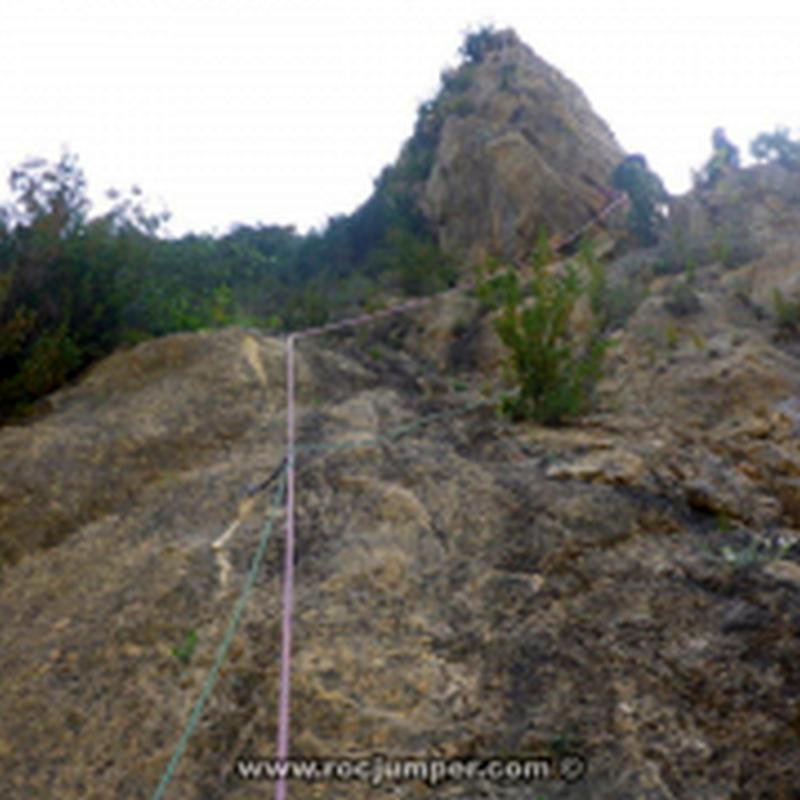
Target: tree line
x=73, y=287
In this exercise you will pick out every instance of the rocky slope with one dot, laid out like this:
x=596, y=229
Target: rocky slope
x=514, y=146
x=627, y=588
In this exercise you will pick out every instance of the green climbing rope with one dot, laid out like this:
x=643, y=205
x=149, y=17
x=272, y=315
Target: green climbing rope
x=222, y=650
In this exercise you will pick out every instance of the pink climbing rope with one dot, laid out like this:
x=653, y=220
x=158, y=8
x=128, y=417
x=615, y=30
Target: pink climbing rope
x=288, y=568
x=288, y=574
x=363, y=318
x=617, y=202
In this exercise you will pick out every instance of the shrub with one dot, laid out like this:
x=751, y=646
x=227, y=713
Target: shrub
x=724, y=159
x=733, y=249
x=411, y=265
x=417, y=160
x=457, y=80
x=671, y=334
x=478, y=43
x=777, y=147
x=554, y=369
x=682, y=300
x=612, y=305
x=787, y=313
x=677, y=254
x=647, y=198
x=185, y=651
x=681, y=252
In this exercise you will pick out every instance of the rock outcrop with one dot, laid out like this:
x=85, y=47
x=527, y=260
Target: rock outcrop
x=628, y=589
x=749, y=222
x=518, y=148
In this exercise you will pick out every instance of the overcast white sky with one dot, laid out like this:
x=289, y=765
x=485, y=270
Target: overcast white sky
x=283, y=111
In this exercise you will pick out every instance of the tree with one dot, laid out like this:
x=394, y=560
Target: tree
x=778, y=148
x=724, y=159
x=39, y=278
x=647, y=196
x=64, y=279
x=50, y=195
x=414, y=266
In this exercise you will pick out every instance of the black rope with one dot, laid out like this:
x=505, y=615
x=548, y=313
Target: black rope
x=260, y=487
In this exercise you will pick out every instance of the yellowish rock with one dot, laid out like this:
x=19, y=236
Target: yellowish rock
x=605, y=466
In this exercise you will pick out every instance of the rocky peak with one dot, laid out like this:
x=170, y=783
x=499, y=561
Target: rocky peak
x=514, y=145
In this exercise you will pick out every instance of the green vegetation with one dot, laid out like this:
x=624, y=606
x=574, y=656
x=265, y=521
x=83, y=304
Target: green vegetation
x=418, y=155
x=63, y=278
x=186, y=650
x=671, y=336
x=456, y=81
x=787, y=314
x=611, y=304
x=74, y=288
x=553, y=367
x=722, y=250
x=682, y=299
x=461, y=107
x=755, y=552
x=724, y=159
x=478, y=43
x=681, y=252
x=724, y=522
x=777, y=147
x=567, y=742
x=411, y=265
x=647, y=198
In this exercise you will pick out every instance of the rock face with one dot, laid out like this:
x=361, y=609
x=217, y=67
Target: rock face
x=761, y=201
x=627, y=589
x=750, y=216
x=519, y=148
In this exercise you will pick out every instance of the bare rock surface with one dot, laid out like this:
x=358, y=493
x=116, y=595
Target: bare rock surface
x=626, y=588
x=521, y=149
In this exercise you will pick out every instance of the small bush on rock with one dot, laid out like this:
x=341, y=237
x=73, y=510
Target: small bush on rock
x=553, y=367
x=612, y=303
x=478, y=43
x=787, y=313
x=682, y=300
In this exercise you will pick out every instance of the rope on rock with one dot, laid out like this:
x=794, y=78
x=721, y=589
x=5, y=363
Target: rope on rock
x=285, y=473
x=222, y=650
x=288, y=586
